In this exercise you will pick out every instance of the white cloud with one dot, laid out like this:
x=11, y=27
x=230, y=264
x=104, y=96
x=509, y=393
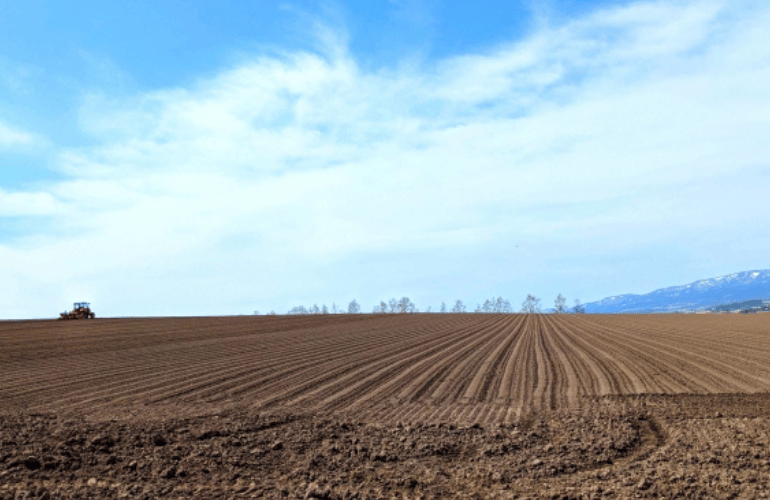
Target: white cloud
x=304, y=178
x=10, y=136
x=28, y=204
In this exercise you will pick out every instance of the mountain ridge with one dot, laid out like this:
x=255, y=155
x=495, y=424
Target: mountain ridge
x=701, y=294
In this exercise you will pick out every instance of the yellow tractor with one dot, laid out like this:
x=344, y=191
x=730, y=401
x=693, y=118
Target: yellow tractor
x=80, y=310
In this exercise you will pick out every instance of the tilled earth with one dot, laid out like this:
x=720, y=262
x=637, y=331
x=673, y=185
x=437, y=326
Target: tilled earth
x=386, y=406
x=640, y=447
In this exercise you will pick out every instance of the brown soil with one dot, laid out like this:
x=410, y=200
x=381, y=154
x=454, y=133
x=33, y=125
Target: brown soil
x=413, y=406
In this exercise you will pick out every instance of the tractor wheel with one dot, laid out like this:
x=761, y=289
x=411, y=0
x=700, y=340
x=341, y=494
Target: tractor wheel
x=92, y=315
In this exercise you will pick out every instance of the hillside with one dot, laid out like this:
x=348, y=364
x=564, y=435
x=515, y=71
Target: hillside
x=737, y=287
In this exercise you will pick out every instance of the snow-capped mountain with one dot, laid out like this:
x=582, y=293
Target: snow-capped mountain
x=735, y=287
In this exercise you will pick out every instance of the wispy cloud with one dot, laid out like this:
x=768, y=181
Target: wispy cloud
x=10, y=136
x=28, y=204
x=302, y=177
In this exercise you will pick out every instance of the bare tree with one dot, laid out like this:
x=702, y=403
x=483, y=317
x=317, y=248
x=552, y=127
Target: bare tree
x=429, y=309
x=393, y=303
x=579, y=308
x=382, y=308
x=256, y=313
x=272, y=313
x=495, y=305
x=324, y=310
x=560, y=304
x=443, y=307
x=531, y=305
x=298, y=310
x=405, y=305
x=353, y=307
x=459, y=307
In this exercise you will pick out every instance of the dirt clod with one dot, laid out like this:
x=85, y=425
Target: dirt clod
x=168, y=473
x=644, y=484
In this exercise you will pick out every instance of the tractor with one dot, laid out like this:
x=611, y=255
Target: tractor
x=80, y=310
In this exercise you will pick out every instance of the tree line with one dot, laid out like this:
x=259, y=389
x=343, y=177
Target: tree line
x=404, y=305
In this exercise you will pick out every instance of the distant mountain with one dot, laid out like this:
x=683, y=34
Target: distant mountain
x=748, y=285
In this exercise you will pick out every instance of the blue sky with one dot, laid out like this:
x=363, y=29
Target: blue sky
x=174, y=158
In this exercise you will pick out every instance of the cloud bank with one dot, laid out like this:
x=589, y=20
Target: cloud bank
x=630, y=142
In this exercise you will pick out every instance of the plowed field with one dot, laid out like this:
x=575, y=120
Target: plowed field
x=621, y=382
x=475, y=368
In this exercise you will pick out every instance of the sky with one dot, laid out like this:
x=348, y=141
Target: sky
x=215, y=158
